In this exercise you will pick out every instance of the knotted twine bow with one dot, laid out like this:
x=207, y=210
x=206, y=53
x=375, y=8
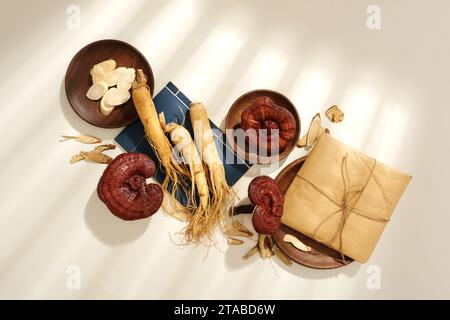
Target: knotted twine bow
x=346, y=207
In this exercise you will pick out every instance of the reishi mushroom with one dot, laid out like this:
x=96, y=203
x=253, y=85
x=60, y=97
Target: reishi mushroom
x=264, y=114
x=124, y=190
x=264, y=193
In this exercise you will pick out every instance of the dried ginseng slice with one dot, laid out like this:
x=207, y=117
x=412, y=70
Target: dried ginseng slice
x=107, y=65
x=126, y=79
x=104, y=147
x=97, y=73
x=76, y=158
x=239, y=230
x=113, y=76
x=118, y=97
x=97, y=90
x=296, y=242
x=314, y=132
x=105, y=107
x=83, y=138
x=96, y=157
x=302, y=142
x=335, y=114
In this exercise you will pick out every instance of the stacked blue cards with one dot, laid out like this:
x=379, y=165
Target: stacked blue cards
x=175, y=106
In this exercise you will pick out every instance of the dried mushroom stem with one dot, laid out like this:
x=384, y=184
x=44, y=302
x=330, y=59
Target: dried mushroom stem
x=251, y=252
x=280, y=255
x=265, y=244
x=234, y=241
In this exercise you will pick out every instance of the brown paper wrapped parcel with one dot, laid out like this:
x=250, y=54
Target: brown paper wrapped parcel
x=343, y=198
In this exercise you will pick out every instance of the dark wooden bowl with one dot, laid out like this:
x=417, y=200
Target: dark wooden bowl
x=233, y=122
x=320, y=257
x=78, y=80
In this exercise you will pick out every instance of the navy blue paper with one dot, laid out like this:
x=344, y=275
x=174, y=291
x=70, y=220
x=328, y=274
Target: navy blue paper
x=175, y=106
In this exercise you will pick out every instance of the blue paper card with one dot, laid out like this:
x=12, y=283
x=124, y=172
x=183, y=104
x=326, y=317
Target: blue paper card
x=175, y=106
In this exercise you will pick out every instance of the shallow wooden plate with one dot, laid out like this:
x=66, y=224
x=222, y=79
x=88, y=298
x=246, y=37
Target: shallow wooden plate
x=320, y=257
x=233, y=122
x=78, y=80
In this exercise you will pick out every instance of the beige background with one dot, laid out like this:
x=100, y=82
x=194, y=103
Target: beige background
x=393, y=84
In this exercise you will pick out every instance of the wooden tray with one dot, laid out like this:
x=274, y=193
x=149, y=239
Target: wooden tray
x=233, y=122
x=320, y=257
x=78, y=81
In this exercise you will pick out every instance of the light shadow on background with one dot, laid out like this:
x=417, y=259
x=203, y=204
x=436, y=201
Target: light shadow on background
x=42, y=225
x=109, y=229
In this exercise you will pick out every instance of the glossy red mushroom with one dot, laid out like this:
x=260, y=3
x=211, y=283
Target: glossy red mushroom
x=264, y=116
x=124, y=190
x=264, y=193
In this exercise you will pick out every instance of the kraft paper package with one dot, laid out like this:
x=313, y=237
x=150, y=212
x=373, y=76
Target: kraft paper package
x=343, y=198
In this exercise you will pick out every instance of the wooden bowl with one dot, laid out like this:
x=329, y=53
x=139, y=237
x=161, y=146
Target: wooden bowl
x=233, y=122
x=78, y=80
x=320, y=257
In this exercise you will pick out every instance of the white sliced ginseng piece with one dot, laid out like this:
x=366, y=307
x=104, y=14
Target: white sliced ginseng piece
x=97, y=90
x=98, y=74
x=126, y=79
x=107, y=65
x=296, y=242
x=113, y=76
x=105, y=107
x=117, y=97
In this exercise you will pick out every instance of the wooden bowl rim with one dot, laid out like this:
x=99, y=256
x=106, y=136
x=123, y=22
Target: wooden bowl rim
x=285, y=153
x=150, y=79
x=277, y=179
